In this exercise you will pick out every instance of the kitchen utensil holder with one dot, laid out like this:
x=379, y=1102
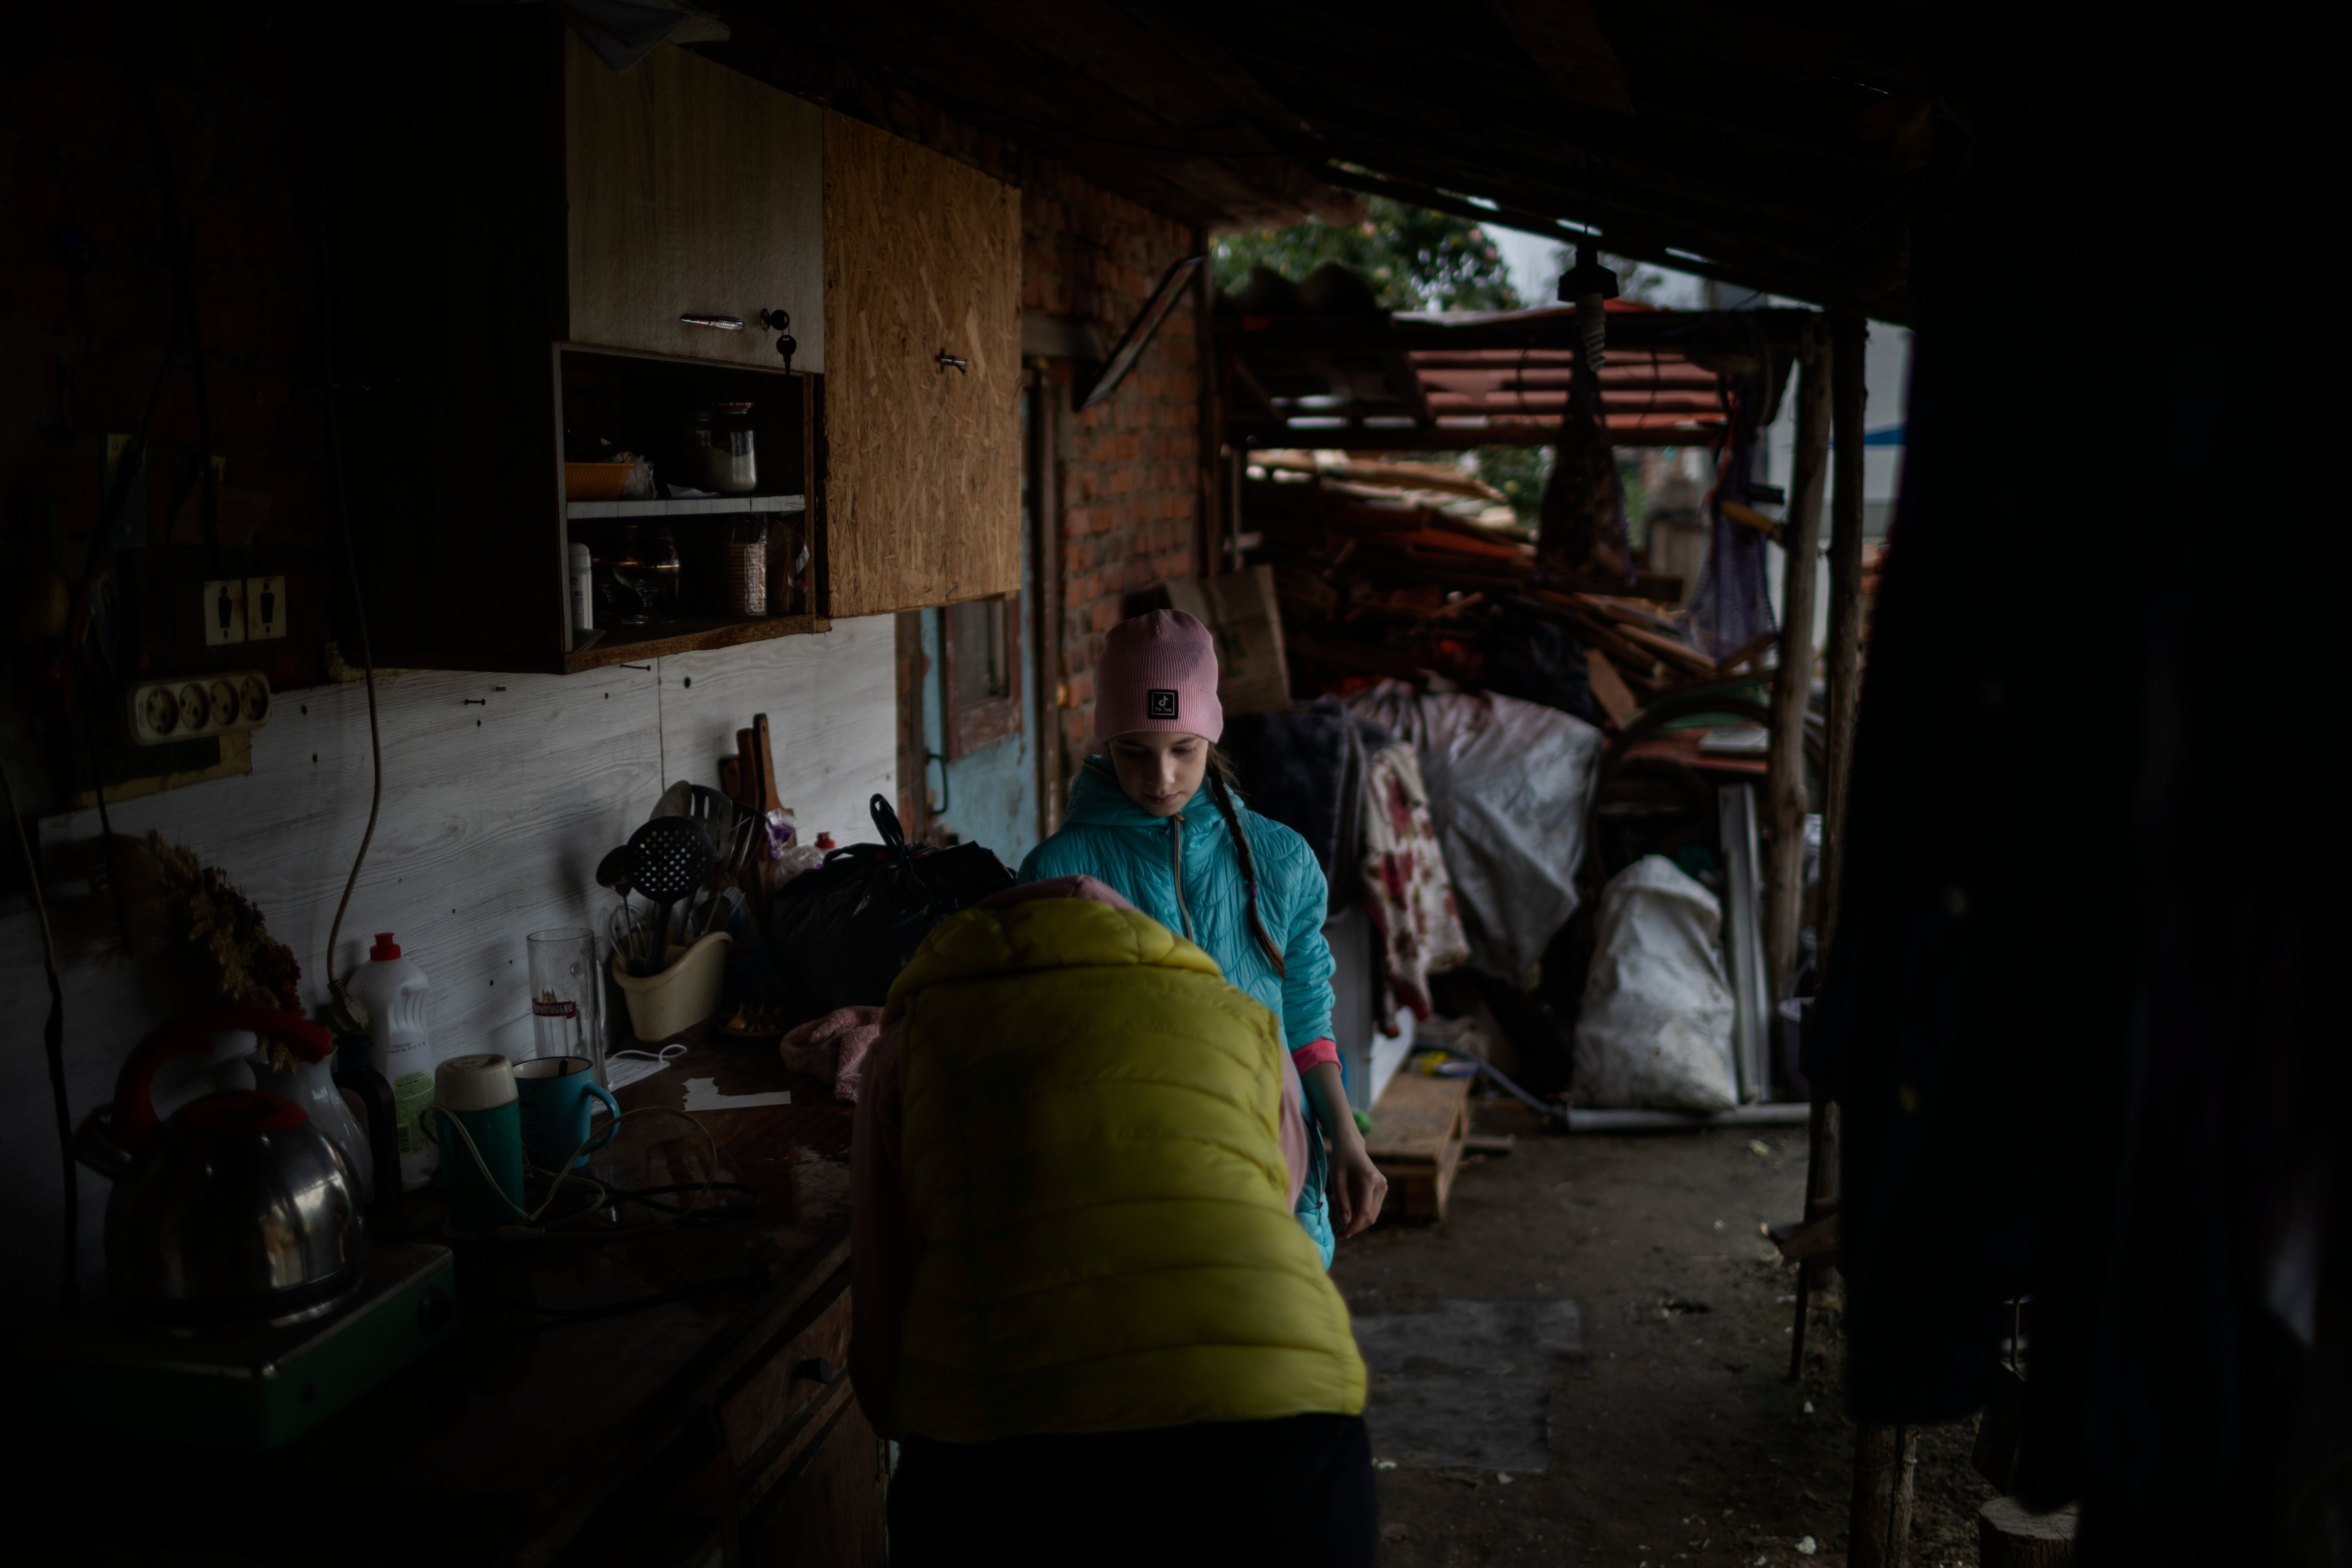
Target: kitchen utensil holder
x=682, y=994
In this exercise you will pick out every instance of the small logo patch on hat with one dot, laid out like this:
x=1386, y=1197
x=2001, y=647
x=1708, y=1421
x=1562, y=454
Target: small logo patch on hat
x=1160, y=704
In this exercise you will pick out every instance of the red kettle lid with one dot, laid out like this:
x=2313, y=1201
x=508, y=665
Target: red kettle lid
x=385, y=950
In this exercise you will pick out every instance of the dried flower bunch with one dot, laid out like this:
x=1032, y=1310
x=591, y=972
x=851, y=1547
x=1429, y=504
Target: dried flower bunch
x=223, y=924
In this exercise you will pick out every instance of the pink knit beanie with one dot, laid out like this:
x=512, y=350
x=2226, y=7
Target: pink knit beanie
x=1158, y=672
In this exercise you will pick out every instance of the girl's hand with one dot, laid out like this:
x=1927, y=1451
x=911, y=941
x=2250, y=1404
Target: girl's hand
x=1356, y=1186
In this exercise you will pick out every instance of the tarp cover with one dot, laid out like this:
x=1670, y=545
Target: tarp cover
x=1509, y=781
x=1654, y=1032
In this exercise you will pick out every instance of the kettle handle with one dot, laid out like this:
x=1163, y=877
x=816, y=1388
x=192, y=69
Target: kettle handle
x=133, y=1125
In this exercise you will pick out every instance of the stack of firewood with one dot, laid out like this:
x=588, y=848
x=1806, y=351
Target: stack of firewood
x=1419, y=570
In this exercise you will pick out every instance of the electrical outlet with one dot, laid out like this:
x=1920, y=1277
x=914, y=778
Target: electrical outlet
x=265, y=608
x=182, y=709
x=223, y=605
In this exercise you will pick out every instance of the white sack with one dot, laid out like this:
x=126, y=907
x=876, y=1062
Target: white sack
x=1508, y=782
x=1654, y=1032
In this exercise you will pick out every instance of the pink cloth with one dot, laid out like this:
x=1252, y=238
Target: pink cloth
x=1407, y=893
x=833, y=1047
x=1158, y=672
x=1079, y=886
x=1313, y=1053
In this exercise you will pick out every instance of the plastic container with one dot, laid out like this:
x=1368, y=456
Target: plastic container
x=681, y=995
x=394, y=993
x=596, y=482
x=583, y=588
x=720, y=454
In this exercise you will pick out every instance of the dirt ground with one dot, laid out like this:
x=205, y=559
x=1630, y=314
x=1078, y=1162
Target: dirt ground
x=1680, y=1440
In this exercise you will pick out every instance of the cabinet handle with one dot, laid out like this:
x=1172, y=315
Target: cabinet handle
x=947, y=359
x=724, y=323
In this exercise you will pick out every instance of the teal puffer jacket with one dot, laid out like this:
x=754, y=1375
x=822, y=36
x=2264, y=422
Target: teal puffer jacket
x=1106, y=836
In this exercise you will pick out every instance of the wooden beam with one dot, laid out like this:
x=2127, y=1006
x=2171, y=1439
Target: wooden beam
x=1849, y=337
x=1457, y=438
x=1683, y=333
x=1885, y=1460
x=1565, y=39
x=1785, y=802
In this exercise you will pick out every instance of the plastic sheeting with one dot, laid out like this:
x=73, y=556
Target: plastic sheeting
x=1508, y=782
x=1654, y=1032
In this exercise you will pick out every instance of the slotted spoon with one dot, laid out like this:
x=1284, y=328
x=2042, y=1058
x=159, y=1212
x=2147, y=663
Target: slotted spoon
x=669, y=859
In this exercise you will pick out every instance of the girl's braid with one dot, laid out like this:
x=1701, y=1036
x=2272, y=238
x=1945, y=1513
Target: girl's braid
x=1222, y=797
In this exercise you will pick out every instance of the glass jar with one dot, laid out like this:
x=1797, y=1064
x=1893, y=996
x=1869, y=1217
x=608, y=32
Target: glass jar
x=719, y=449
x=745, y=589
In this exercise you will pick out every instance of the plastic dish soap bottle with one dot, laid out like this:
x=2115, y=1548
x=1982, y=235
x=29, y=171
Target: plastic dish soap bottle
x=394, y=990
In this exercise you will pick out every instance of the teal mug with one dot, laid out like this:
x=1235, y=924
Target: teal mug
x=555, y=1093
x=478, y=1124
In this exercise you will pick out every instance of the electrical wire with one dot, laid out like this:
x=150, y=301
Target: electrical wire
x=53, y=1044
x=535, y=1225
x=344, y=1018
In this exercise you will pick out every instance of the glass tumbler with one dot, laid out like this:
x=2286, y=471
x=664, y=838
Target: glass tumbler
x=567, y=995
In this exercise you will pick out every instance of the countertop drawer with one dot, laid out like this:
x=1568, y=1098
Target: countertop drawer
x=808, y=1361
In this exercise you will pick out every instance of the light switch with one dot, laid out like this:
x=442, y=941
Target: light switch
x=224, y=611
x=265, y=608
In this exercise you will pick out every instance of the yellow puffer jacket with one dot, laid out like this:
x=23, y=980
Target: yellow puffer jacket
x=1090, y=1146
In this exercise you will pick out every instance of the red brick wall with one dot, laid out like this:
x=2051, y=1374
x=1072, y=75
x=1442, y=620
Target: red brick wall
x=1129, y=467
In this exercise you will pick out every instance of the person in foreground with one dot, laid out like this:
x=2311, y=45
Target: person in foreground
x=1080, y=1302
x=1157, y=819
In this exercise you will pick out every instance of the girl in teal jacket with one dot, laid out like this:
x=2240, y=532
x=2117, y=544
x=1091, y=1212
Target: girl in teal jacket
x=1157, y=819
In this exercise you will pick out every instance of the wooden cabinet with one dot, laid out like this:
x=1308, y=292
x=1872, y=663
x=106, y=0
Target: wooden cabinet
x=516, y=237
x=691, y=190
x=922, y=259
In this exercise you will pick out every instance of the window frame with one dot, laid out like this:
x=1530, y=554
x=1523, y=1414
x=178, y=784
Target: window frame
x=970, y=728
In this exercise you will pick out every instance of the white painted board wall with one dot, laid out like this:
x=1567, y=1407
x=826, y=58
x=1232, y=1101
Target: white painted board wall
x=500, y=795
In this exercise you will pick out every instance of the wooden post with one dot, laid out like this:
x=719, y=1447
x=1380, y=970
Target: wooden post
x=1849, y=334
x=1878, y=1527
x=1046, y=394
x=2009, y=1537
x=1784, y=785
x=914, y=671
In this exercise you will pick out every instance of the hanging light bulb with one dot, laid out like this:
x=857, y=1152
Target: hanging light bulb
x=1586, y=285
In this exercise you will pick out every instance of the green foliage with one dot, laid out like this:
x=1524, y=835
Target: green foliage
x=1518, y=472
x=1414, y=259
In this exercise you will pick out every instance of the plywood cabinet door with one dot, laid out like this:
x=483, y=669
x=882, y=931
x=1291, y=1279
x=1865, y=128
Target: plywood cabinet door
x=922, y=257
x=690, y=190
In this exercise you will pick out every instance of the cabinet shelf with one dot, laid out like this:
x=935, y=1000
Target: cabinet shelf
x=703, y=506
x=664, y=636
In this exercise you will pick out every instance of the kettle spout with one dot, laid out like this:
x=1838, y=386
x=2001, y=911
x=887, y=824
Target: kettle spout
x=94, y=1145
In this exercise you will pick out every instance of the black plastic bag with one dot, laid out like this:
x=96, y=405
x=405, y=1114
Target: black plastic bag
x=1539, y=660
x=840, y=933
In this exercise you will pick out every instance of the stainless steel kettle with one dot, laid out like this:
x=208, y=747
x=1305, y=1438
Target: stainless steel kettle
x=238, y=1211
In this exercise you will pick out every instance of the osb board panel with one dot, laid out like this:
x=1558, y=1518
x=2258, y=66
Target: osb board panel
x=922, y=256
x=691, y=189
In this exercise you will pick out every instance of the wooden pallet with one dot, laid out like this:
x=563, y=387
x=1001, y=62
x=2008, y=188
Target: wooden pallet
x=1417, y=1141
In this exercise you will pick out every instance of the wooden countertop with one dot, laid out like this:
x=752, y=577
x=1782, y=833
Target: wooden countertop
x=574, y=1367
